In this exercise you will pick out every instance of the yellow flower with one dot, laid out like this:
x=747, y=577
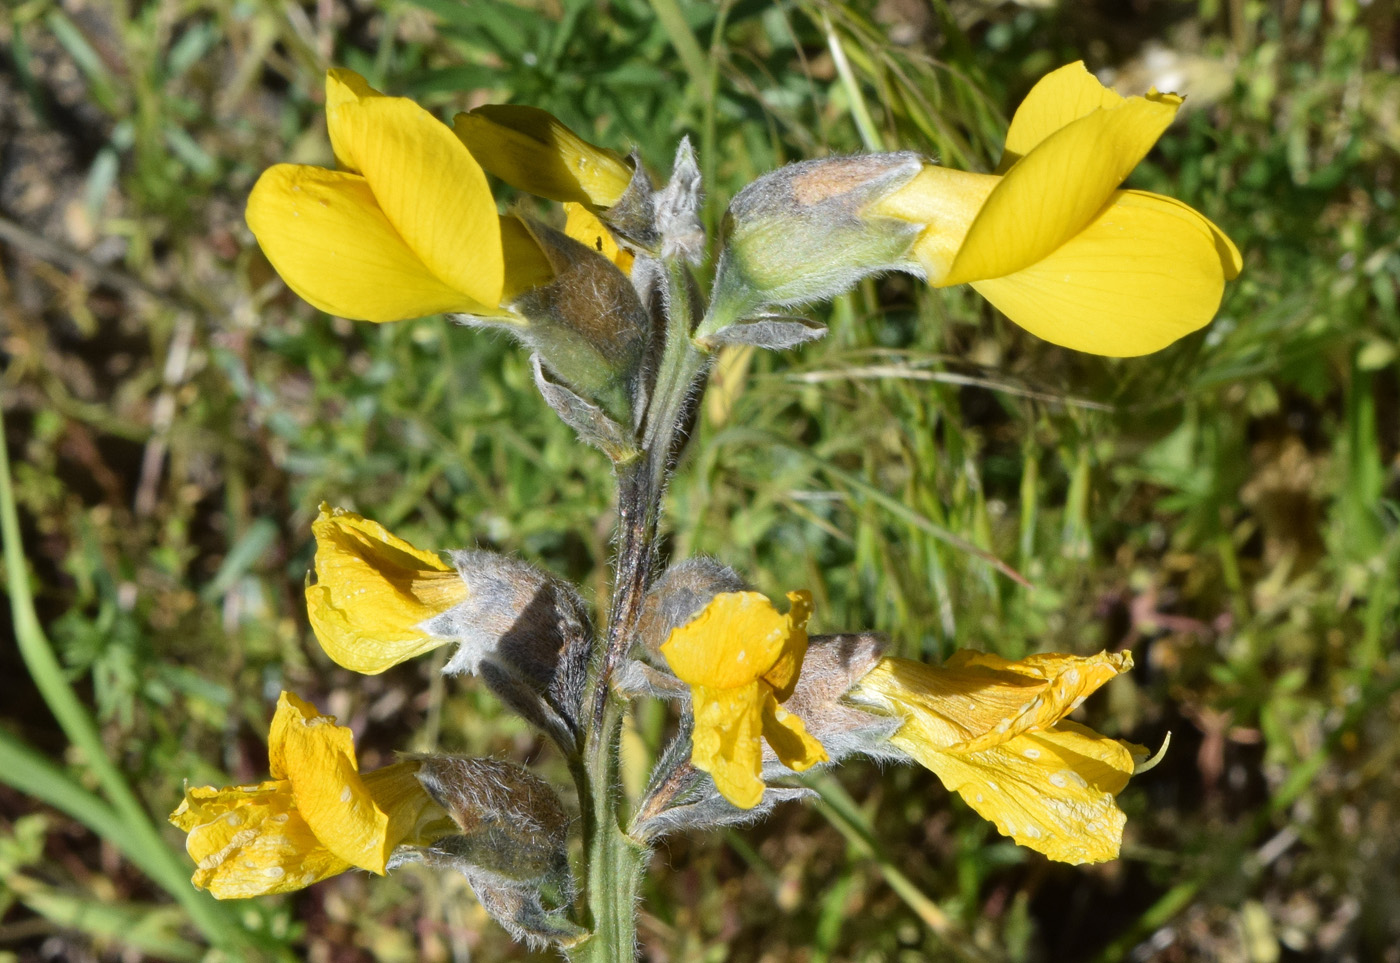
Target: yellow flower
x=406, y=227
x=373, y=590
x=741, y=658
x=994, y=732
x=317, y=816
x=1053, y=243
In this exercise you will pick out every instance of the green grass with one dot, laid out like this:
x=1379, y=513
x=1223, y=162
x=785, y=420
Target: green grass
x=1230, y=508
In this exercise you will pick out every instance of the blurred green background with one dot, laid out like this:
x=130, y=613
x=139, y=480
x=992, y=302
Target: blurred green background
x=1229, y=509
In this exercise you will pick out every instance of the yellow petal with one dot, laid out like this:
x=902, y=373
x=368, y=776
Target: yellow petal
x=1068, y=681
x=1231, y=261
x=783, y=675
x=319, y=757
x=1057, y=100
x=413, y=814
x=1147, y=271
x=1051, y=791
x=945, y=200
x=372, y=592
x=947, y=706
x=1053, y=192
x=251, y=841
x=530, y=149
x=976, y=700
x=428, y=186
x=324, y=233
x=734, y=641
x=344, y=86
x=292, y=711
x=725, y=743
x=583, y=226
x=789, y=738
x=526, y=265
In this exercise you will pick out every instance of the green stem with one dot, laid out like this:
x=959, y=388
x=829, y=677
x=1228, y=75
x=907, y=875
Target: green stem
x=615, y=860
x=138, y=832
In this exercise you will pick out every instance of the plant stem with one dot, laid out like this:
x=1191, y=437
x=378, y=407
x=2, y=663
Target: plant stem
x=614, y=861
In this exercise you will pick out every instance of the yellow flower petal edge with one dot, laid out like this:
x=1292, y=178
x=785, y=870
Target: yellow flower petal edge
x=317, y=817
x=994, y=732
x=372, y=592
x=530, y=149
x=1146, y=271
x=345, y=86
x=429, y=187
x=787, y=734
x=1057, y=100
x=741, y=658
x=1055, y=190
x=327, y=237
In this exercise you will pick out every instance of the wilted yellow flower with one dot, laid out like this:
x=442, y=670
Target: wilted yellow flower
x=372, y=592
x=741, y=658
x=1053, y=243
x=407, y=226
x=994, y=732
x=317, y=816
x=530, y=149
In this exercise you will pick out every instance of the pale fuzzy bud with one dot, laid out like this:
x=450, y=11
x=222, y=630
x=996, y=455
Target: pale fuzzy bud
x=587, y=324
x=678, y=209
x=513, y=844
x=525, y=632
x=833, y=665
x=802, y=234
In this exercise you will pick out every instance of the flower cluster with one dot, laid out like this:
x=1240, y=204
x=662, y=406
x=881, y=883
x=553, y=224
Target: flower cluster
x=623, y=340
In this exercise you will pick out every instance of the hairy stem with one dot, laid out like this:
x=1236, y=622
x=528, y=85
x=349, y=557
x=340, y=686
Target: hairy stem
x=615, y=860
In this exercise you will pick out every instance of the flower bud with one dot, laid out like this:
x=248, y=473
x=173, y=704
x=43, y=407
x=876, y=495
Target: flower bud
x=513, y=844
x=803, y=234
x=587, y=324
x=526, y=633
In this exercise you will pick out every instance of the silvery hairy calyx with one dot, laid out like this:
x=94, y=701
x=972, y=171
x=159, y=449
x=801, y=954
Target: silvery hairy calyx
x=604, y=293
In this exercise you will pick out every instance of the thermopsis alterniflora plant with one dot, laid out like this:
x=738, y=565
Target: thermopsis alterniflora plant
x=622, y=339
